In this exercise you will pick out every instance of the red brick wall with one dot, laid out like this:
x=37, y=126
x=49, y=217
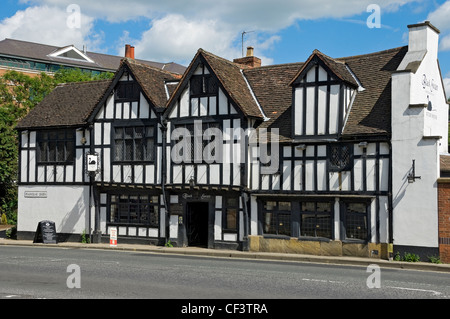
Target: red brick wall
x=444, y=219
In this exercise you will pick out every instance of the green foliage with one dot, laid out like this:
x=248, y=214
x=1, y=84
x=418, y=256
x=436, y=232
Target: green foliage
x=409, y=257
x=85, y=238
x=435, y=259
x=3, y=220
x=65, y=75
x=169, y=244
x=19, y=93
x=11, y=233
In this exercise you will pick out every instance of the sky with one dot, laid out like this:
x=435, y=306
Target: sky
x=281, y=31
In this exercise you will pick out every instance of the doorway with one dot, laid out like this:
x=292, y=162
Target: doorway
x=197, y=224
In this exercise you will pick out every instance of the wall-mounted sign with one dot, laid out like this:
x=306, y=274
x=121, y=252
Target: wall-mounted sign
x=92, y=162
x=35, y=194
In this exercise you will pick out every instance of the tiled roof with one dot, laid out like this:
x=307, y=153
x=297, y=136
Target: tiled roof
x=67, y=105
x=445, y=163
x=371, y=110
x=151, y=80
x=270, y=85
x=232, y=79
x=104, y=62
x=270, y=94
x=73, y=103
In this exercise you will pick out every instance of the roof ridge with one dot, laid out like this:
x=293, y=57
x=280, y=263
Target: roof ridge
x=316, y=51
x=83, y=82
x=275, y=66
x=372, y=53
x=133, y=61
x=237, y=65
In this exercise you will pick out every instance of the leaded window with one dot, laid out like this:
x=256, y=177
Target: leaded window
x=231, y=213
x=340, y=157
x=316, y=219
x=134, y=144
x=203, y=85
x=198, y=144
x=56, y=147
x=356, y=220
x=276, y=217
x=127, y=91
x=134, y=209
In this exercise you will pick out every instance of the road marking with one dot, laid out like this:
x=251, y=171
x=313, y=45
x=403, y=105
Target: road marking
x=436, y=293
x=322, y=280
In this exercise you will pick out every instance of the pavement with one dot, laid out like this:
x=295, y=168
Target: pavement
x=221, y=253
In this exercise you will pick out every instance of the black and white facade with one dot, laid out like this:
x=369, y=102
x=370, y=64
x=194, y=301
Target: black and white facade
x=316, y=157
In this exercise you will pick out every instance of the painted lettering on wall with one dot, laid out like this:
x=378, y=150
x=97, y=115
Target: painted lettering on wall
x=429, y=84
x=35, y=194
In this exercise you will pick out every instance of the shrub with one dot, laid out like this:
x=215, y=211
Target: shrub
x=4, y=220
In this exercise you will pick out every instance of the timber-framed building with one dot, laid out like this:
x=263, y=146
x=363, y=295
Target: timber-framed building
x=331, y=156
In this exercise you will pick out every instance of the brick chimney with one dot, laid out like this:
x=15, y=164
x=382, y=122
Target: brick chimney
x=249, y=61
x=129, y=51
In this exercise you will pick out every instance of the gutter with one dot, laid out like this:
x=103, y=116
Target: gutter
x=254, y=97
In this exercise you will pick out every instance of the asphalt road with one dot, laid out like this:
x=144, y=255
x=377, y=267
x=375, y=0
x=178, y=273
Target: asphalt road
x=41, y=272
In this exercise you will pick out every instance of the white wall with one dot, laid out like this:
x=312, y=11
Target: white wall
x=415, y=136
x=65, y=205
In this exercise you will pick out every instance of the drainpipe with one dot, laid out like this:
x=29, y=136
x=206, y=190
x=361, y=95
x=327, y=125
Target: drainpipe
x=164, y=176
x=390, y=206
x=245, y=243
x=96, y=236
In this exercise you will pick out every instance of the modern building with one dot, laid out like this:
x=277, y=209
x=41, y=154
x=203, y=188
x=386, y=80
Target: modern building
x=330, y=156
x=33, y=58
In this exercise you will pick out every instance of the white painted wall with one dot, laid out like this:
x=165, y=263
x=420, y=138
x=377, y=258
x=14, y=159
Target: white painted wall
x=67, y=206
x=415, y=214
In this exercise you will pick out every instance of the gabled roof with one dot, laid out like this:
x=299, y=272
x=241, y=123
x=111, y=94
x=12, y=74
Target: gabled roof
x=67, y=105
x=370, y=113
x=151, y=80
x=77, y=103
x=43, y=52
x=230, y=77
x=338, y=68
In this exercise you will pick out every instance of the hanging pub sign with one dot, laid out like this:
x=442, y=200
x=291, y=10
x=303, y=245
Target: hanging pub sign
x=92, y=163
x=45, y=232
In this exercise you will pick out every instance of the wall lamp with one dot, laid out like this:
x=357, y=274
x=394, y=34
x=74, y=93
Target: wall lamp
x=412, y=173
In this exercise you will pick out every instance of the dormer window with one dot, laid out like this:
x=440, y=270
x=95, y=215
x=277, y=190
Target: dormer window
x=324, y=89
x=70, y=52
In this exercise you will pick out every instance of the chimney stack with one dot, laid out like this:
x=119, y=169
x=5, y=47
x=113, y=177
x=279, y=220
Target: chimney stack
x=250, y=61
x=129, y=51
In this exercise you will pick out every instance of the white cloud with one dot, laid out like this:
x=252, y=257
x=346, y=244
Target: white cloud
x=178, y=28
x=440, y=17
x=48, y=25
x=176, y=38
x=447, y=86
x=266, y=15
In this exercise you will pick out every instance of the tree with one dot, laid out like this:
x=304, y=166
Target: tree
x=19, y=93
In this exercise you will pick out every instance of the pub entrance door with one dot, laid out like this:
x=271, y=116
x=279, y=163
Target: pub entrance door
x=197, y=223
